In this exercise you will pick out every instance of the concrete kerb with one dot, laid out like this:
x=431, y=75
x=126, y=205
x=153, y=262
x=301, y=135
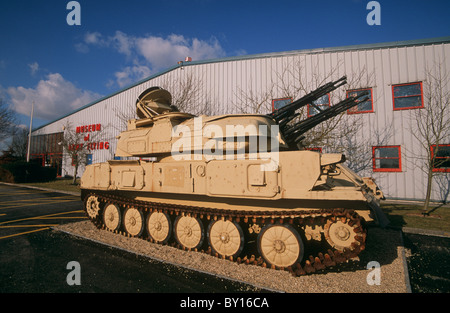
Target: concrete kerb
x=426, y=232
x=414, y=202
x=405, y=266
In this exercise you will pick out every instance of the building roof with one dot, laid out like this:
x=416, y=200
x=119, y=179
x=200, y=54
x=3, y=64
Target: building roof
x=394, y=44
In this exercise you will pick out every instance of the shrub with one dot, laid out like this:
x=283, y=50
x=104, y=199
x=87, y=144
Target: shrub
x=23, y=172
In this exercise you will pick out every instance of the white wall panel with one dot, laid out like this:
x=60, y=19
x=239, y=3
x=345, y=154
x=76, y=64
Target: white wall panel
x=222, y=81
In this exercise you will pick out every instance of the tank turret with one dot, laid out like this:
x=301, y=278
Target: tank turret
x=239, y=186
x=160, y=128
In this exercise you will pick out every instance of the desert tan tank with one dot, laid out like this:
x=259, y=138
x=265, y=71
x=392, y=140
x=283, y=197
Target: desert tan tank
x=238, y=187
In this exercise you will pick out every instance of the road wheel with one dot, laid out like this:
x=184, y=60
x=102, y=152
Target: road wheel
x=159, y=227
x=189, y=232
x=280, y=245
x=133, y=221
x=226, y=238
x=112, y=217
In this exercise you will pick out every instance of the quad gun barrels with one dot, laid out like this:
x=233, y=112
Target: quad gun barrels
x=293, y=131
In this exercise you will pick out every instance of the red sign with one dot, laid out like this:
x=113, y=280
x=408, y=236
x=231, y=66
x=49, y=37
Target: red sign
x=89, y=145
x=89, y=128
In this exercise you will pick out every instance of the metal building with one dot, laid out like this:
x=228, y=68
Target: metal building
x=383, y=144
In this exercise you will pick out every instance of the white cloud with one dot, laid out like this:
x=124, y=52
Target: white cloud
x=150, y=54
x=131, y=74
x=53, y=97
x=123, y=43
x=34, y=67
x=93, y=38
x=165, y=52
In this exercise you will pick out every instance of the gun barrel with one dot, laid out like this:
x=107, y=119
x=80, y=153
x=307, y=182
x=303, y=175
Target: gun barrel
x=294, y=133
x=287, y=111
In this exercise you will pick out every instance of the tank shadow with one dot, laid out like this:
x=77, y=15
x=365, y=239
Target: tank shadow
x=381, y=246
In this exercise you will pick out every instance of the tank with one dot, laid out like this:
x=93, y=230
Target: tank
x=240, y=187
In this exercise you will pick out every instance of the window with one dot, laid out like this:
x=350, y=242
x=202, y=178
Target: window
x=279, y=103
x=362, y=107
x=323, y=103
x=407, y=96
x=49, y=143
x=442, y=158
x=387, y=159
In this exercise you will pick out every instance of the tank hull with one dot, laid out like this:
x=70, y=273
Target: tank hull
x=258, y=202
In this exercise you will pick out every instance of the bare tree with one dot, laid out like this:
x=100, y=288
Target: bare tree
x=343, y=133
x=188, y=94
x=430, y=125
x=19, y=143
x=251, y=102
x=7, y=121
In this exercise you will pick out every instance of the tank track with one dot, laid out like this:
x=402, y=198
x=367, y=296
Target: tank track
x=321, y=259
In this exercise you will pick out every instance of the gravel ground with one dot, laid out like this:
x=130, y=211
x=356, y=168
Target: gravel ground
x=384, y=246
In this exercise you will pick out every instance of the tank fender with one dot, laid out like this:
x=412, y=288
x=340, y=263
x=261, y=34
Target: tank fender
x=331, y=158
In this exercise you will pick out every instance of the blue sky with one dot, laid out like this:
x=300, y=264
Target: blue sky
x=63, y=67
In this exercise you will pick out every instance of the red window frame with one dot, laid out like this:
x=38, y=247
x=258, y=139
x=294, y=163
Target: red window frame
x=320, y=105
x=407, y=108
x=279, y=99
x=355, y=110
x=374, y=159
x=317, y=149
x=444, y=170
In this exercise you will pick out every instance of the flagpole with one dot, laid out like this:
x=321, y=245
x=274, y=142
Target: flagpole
x=29, y=135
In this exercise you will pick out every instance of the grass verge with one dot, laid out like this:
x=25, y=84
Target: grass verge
x=409, y=215
x=63, y=184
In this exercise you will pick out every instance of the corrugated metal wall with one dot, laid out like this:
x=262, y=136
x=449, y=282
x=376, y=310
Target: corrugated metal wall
x=224, y=86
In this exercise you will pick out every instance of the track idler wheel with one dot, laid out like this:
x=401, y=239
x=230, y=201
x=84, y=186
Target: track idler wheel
x=92, y=207
x=344, y=233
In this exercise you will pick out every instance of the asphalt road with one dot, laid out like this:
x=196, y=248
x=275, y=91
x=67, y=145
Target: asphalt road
x=36, y=258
